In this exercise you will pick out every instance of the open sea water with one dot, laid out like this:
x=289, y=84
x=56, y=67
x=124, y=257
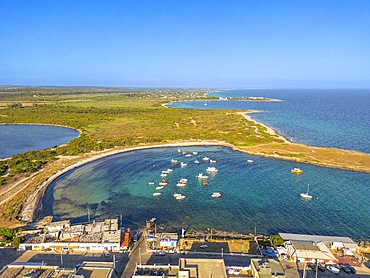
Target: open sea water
x=262, y=194
x=329, y=118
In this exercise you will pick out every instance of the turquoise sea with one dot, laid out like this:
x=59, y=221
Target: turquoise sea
x=262, y=193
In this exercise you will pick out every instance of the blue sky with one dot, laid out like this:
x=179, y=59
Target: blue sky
x=186, y=43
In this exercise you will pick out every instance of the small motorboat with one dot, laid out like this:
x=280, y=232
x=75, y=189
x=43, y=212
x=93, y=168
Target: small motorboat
x=163, y=175
x=176, y=195
x=156, y=194
x=163, y=182
x=205, y=158
x=296, y=171
x=212, y=161
x=195, y=153
x=211, y=170
x=173, y=160
x=196, y=161
x=205, y=183
x=159, y=187
x=180, y=184
x=183, y=164
x=188, y=155
x=181, y=197
x=203, y=246
x=150, y=183
x=216, y=195
x=250, y=161
x=201, y=176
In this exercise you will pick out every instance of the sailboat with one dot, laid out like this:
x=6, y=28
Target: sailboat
x=306, y=195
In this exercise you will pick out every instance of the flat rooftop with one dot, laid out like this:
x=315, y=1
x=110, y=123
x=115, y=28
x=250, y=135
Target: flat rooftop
x=316, y=238
x=214, y=268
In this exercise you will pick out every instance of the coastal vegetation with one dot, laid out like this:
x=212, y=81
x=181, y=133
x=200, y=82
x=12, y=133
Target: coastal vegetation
x=110, y=118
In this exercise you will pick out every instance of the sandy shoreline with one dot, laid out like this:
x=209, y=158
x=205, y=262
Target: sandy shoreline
x=269, y=130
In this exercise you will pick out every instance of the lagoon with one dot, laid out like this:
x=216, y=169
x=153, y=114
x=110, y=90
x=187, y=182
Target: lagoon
x=21, y=138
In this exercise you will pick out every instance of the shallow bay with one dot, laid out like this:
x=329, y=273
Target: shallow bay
x=263, y=193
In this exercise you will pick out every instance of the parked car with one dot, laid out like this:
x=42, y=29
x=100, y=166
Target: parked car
x=345, y=268
x=353, y=270
x=321, y=267
x=367, y=264
x=159, y=253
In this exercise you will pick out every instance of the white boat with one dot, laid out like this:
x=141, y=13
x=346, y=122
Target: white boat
x=250, y=161
x=205, y=158
x=163, y=175
x=212, y=161
x=333, y=269
x=159, y=187
x=216, y=195
x=181, y=197
x=176, y=195
x=196, y=161
x=201, y=176
x=183, y=152
x=163, y=182
x=157, y=194
x=169, y=170
x=173, y=160
x=306, y=195
x=150, y=183
x=188, y=155
x=183, y=164
x=183, y=180
x=195, y=153
x=180, y=184
x=211, y=170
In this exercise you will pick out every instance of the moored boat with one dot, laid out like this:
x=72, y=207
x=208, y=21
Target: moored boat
x=181, y=197
x=173, y=160
x=250, y=161
x=159, y=187
x=196, y=161
x=150, y=183
x=183, y=164
x=201, y=176
x=216, y=195
x=195, y=153
x=163, y=182
x=205, y=158
x=212, y=161
x=157, y=194
x=296, y=171
x=306, y=195
x=211, y=170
